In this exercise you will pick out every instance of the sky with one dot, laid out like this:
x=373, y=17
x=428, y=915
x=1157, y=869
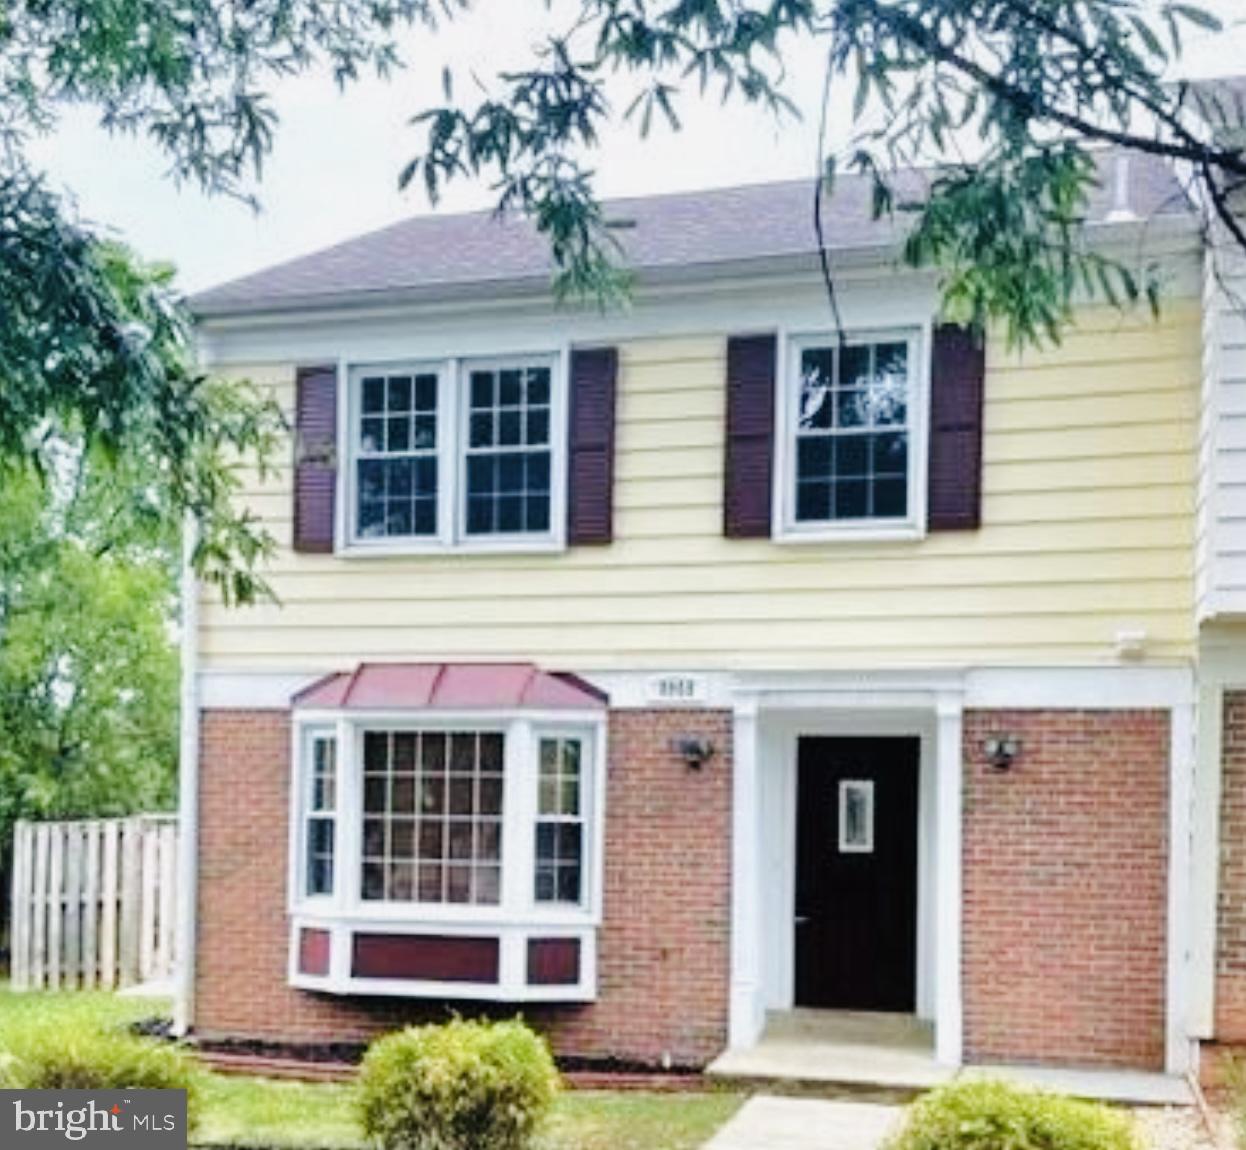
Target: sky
x=334, y=170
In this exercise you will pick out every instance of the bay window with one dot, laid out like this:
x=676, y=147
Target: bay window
x=431, y=845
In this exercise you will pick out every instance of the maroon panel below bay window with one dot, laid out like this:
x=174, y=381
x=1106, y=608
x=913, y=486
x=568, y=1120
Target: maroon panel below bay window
x=314, y=952
x=553, y=961
x=432, y=958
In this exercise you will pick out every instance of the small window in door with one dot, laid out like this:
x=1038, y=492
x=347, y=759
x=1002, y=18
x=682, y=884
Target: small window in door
x=856, y=816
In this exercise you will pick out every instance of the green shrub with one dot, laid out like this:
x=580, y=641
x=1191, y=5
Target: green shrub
x=461, y=1086
x=44, y=1054
x=992, y=1115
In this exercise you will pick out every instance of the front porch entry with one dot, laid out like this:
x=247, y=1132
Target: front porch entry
x=847, y=1048
x=846, y=883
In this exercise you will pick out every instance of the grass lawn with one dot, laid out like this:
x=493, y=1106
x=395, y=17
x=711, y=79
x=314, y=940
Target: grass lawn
x=266, y=1115
x=255, y=1113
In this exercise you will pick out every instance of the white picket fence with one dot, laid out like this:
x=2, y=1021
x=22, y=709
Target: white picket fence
x=94, y=903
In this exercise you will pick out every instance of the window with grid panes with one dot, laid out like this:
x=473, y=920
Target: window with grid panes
x=396, y=455
x=560, y=821
x=852, y=432
x=432, y=816
x=321, y=815
x=509, y=461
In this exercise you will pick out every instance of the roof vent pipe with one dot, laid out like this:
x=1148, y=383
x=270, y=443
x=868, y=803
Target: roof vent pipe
x=1121, y=209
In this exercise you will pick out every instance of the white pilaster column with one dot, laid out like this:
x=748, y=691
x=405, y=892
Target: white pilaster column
x=949, y=1014
x=1180, y=799
x=747, y=1012
x=1205, y=858
x=188, y=792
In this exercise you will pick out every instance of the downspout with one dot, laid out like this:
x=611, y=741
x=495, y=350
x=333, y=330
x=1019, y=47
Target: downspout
x=188, y=789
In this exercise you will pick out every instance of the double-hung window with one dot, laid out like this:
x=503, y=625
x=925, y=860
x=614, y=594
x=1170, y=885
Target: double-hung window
x=509, y=461
x=560, y=821
x=455, y=453
x=320, y=825
x=852, y=415
x=396, y=456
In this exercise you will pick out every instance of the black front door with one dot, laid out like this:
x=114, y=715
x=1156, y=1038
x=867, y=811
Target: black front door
x=856, y=874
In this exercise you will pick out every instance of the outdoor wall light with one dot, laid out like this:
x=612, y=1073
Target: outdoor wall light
x=694, y=751
x=1001, y=751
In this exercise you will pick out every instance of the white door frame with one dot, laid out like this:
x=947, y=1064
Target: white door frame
x=779, y=782
x=768, y=724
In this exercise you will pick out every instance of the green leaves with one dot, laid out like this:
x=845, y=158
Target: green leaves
x=196, y=75
x=88, y=666
x=1008, y=237
x=1027, y=89
x=96, y=348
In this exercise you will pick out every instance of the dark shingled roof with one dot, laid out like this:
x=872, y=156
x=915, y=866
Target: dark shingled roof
x=669, y=235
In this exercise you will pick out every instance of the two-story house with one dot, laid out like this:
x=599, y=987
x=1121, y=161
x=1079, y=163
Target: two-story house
x=661, y=671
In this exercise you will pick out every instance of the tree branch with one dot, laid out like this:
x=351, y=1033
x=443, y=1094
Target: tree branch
x=1034, y=106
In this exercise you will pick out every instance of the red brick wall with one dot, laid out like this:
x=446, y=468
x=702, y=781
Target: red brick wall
x=1231, y=900
x=1065, y=887
x=664, y=950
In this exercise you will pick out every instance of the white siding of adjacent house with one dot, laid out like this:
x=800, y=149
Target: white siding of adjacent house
x=1221, y=518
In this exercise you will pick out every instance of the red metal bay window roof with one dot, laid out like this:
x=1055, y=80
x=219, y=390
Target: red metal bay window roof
x=449, y=687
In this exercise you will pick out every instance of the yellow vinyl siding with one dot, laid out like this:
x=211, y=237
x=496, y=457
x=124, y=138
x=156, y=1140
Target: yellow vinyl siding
x=1088, y=529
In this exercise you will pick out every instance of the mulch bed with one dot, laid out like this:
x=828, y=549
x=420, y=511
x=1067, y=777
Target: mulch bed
x=340, y=1063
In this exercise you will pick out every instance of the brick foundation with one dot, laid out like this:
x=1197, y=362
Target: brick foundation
x=664, y=950
x=1065, y=888
x=1231, y=899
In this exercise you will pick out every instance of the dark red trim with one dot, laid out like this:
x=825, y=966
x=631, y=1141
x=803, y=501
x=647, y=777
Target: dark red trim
x=314, y=952
x=315, y=459
x=430, y=958
x=957, y=396
x=749, y=466
x=553, y=961
x=590, y=469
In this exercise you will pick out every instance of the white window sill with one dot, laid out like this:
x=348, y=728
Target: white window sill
x=445, y=991
x=881, y=532
x=399, y=548
x=413, y=917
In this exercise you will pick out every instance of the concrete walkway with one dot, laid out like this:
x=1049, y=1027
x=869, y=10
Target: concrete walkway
x=766, y=1123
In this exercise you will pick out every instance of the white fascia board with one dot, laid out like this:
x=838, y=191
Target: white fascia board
x=1108, y=687
x=888, y=297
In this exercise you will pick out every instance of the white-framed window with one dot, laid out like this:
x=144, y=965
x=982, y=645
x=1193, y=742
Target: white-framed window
x=852, y=417
x=487, y=819
x=856, y=816
x=396, y=441
x=508, y=465
x=320, y=824
x=560, y=820
x=432, y=816
x=457, y=453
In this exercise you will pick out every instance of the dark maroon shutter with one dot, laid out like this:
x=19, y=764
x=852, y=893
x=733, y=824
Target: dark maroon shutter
x=590, y=472
x=750, y=436
x=315, y=458
x=957, y=375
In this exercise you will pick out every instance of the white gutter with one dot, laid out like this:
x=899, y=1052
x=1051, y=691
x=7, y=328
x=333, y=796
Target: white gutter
x=188, y=790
